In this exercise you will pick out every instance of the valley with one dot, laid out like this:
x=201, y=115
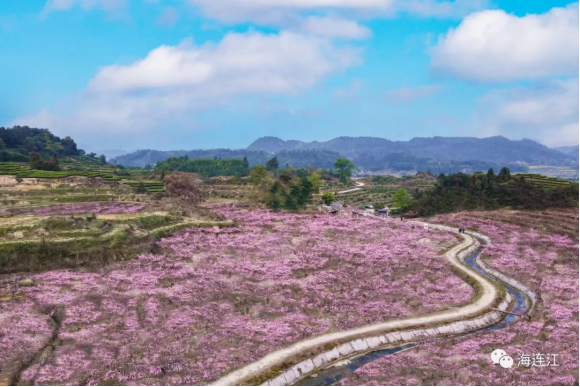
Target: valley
x=211, y=271
x=137, y=293
x=289, y=193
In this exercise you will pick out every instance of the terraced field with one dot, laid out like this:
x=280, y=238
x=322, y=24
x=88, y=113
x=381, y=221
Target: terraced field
x=149, y=186
x=566, y=173
x=85, y=234
x=379, y=190
x=545, y=181
x=22, y=171
x=228, y=192
x=72, y=222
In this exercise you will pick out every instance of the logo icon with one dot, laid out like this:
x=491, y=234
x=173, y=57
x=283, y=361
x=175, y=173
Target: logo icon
x=499, y=356
x=506, y=361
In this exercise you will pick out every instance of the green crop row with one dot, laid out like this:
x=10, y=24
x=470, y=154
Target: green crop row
x=545, y=181
x=22, y=171
x=150, y=186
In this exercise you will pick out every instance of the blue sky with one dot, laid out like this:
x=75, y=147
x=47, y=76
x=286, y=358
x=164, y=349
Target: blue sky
x=185, y=74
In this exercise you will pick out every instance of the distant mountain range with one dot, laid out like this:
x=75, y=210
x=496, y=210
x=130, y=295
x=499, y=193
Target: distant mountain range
x=569, y=150
x=298, y=158
x=493, y=149
x=438, y=154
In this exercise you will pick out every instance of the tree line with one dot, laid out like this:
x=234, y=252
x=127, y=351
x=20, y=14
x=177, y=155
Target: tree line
x=459, y=191
x=17, y=142
x=288, y=188
x=208, y=167
x=292, y=189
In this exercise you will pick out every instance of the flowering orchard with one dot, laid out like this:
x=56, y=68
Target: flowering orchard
x=547, y=263
x=215, y=299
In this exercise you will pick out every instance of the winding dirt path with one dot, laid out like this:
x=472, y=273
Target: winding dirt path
x=484, y=302
x=359, y=184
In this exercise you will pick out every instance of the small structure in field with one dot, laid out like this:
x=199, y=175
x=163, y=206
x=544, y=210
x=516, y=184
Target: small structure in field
x=335, y=208
x=383, y=212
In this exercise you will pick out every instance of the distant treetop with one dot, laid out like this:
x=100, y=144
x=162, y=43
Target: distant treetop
x=17, y=142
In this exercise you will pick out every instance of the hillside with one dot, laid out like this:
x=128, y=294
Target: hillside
x=572, y=151
x=379, y=155
x=569, y=150
x=17, y=142
x=492, y=149
x=295, y=158
x=438, y=154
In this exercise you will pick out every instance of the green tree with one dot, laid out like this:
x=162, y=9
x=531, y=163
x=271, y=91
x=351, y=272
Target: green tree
x=328, y=198
x=274, y=198
x=505, y=174
x=272, y=164
x=102, y=159
x=207, y=167
x=304, y=192
x=258, y=173
x=314, y=179
x=402, y=199
x=69, y=146
x=343, y=167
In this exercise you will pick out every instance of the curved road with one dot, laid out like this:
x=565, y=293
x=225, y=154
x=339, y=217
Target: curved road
x=275, y=359
x=358, y=184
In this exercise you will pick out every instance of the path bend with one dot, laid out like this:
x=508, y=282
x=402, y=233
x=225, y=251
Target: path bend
x=359, y=184
x=487, y=299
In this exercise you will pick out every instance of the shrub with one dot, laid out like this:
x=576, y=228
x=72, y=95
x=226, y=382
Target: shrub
x=328, y=198
x=181, y=186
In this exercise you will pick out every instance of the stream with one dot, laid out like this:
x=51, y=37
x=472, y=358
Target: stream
x=335, y=373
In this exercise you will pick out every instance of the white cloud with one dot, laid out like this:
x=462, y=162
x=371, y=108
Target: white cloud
x=240, y=63
x=325, y=18
x=408, y=94
x=65, y=5
x=546, y=112
x=441, y=9
x=280, y=10
x=329, y=18
x=333, y=28
x=172, y=83
x=493, y=46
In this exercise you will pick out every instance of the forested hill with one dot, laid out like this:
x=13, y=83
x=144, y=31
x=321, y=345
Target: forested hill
x=205, y=167
x=571, y=151
x=458, y=192
x=379, y=155
x=17, y=142
x=294, y=158
x=370, y=151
